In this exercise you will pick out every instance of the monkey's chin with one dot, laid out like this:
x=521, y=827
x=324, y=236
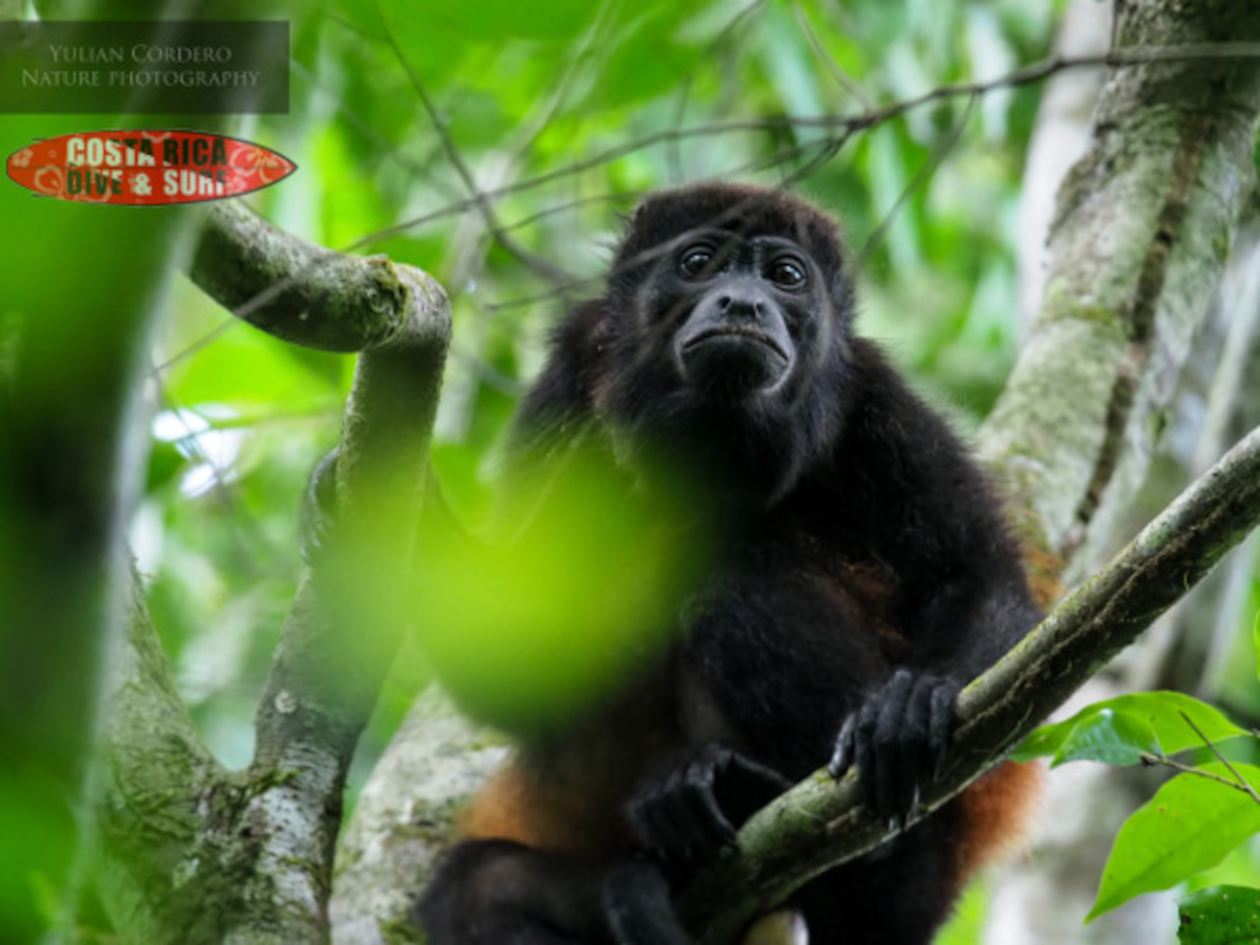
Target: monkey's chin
x=731, y=365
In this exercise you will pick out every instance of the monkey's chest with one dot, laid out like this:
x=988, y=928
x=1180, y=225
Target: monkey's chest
x=784, y=652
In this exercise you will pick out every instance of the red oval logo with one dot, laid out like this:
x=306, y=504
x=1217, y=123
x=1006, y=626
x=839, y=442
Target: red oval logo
x=146, y=167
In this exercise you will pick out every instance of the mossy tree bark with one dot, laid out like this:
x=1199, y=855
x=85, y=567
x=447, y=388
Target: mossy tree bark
x=186, y=850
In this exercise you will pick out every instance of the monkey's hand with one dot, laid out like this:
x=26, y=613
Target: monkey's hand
x=317, y=520
x=688, y=818
x=898, y=739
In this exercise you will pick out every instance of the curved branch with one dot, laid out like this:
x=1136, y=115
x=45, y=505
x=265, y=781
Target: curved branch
x=305, y=294
x=247, y=857
x=328, y=669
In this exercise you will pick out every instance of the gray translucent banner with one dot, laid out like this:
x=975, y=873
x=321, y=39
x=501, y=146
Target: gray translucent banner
x=167, y=67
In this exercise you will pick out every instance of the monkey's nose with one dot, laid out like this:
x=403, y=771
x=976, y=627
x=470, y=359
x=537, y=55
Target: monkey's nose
x=741, y=306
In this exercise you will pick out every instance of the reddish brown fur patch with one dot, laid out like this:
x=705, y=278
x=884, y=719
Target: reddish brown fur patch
x=498, y=810
x=516, y=805
x=995, y=811
x=1042, y=565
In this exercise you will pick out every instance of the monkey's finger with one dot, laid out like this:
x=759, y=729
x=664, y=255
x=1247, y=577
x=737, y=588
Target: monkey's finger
x=711, y=830
x=756, y=775
x=667, y=833
x=842, y=756
x=893, y=771
x=864, y=748
x=743, y=786
x=941, y=725
x=919, y=737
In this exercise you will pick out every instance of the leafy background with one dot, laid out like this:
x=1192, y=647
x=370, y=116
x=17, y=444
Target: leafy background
x=406, y=113
x=567, y=113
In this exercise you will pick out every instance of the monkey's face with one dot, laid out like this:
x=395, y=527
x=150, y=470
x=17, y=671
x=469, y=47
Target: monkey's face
x=734, y=311
x=722, y=327
x=725, y=338
x=726, y=352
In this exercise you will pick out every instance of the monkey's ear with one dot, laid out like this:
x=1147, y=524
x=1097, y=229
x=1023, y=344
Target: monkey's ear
x=635, y=216
x=635, y=223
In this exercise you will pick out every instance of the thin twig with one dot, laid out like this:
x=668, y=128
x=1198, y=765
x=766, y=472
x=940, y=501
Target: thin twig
x=1025, y=75
x=842, y=78
x=481, y=199
x=1242, y=782
x=1182, y=768
x=934, y=161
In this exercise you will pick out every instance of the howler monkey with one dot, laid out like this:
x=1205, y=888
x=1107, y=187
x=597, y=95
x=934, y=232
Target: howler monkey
x=862, y=577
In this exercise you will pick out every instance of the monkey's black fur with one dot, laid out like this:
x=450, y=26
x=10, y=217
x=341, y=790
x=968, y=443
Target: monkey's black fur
x=864, y=577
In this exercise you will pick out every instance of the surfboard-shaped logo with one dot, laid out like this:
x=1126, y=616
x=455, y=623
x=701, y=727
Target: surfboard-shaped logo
x=145, y=167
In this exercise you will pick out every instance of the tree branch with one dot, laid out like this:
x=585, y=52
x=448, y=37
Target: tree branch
x=306, y=294
x=328, y=669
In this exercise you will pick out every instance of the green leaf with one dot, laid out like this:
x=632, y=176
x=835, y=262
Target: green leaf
x=532, y=631
x=1110, y=736
x=1189, y=825
x=1119, y=731
x=1220, y=915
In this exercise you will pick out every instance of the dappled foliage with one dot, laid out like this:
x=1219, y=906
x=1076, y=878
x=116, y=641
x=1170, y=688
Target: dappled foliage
x=564, y=118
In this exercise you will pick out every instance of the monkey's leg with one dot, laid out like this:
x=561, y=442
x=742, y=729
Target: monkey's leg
x=497, y=892
x=637, y=900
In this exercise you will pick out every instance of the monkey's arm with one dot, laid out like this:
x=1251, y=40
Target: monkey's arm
x=962, y=593
x=688, y=815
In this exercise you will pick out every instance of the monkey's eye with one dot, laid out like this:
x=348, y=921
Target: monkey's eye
x=787, y=272
x=696, y=262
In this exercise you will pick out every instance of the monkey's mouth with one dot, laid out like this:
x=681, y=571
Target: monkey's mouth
x=728, y=331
